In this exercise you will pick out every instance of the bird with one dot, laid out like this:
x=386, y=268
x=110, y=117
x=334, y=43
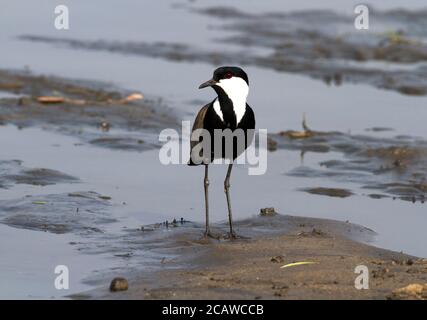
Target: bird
x=227, y=111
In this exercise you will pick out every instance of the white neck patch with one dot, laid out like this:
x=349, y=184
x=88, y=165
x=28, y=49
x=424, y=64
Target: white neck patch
x=217, y=109
x=237, y=90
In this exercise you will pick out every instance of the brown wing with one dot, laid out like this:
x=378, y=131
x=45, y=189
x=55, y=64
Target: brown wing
x=198, y=122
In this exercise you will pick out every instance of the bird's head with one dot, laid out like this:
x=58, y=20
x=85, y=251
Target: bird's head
x=231, y=80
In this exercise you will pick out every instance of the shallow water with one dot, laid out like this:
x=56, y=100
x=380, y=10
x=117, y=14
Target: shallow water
x=149, y=191
x=29, y=259
x=142, y=190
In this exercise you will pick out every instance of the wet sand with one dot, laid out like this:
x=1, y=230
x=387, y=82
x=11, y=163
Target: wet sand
x=250, y=268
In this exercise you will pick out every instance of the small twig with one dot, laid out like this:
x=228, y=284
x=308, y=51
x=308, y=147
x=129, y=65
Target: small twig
x=304, y=123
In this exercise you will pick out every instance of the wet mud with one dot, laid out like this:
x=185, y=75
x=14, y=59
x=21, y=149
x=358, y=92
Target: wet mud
x=394, y=167
x=329, y=48
x=95, y=112
x=253, y=266
x=331, y=192
x=177, y=243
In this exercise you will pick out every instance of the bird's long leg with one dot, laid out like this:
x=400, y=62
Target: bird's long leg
x=227, y=194
x=206, y=184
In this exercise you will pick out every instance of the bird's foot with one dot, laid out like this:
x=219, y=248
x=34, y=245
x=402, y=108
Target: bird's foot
x=210, y=235
x=234, y=236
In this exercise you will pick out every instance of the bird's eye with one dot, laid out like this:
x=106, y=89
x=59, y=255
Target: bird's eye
x=228, y=75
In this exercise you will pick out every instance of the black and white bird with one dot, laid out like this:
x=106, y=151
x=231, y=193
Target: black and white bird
x=228, y=110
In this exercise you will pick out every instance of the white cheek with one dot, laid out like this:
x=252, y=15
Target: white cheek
x=235, y=87
x=237, y=90
x=217, y=109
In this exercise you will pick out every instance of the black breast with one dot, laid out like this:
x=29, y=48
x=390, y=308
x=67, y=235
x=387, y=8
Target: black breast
x=212, y=121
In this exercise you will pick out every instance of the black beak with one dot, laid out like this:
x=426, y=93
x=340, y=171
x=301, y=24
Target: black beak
x=208, y=83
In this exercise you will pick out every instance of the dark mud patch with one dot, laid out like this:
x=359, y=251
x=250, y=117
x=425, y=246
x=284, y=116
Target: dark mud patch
x=328, y=48
x=123, y=142
x=395, y=38
x=82, y=213
x=13, y=172
x=96, y=113
x=379, y=129
x=330, y=192
x=394, y=167
x=377, y=196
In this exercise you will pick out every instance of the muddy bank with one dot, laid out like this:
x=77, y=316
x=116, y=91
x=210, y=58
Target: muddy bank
x=95, y=112
x=391, y=55
x=385, y=167
x=330, y=48
x=394, y=36
x=250, y=268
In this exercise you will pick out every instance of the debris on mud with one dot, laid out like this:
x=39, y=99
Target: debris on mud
x=267, y=212
x=313, y=233
x=295, y=264
x=165, y=224
x=119, y=284
x=306, y=133
x=277, y=259
x=50, y=99
x=87, y=110
x=297, y=134
x=382, y=273
x=133, y=96
x=411, y=291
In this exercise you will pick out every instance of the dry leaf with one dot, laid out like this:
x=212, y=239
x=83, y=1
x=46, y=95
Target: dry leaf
x=40, y=202
x=134, y=96
x=297, y=264
x=50, y=99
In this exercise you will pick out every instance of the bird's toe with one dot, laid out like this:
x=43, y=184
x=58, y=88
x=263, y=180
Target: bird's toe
x=209, y=235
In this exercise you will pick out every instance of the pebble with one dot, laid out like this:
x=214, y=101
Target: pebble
x=119, y=284
x=267, y=212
